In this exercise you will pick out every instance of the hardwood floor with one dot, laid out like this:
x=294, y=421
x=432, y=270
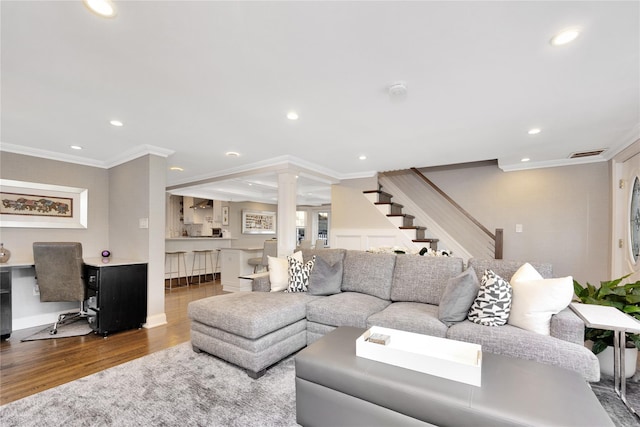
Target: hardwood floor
x=29, y=367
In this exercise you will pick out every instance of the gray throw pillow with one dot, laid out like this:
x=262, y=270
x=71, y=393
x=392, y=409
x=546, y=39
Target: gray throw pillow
x=460, y=292
x=325, y=279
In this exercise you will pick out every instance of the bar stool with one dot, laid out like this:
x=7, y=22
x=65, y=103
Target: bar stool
x=200, y=254
x=215, y=270
x=177, y=255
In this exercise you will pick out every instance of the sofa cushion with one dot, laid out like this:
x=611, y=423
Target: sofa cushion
x=460, y=292
x=493, y=303
x=411, y=317
x=567, y=326
x=368, y=273
x=250, y=314
x=299, y=273
x=515, y=342
x=536, y=299
x=345, y=309
x=422, y=279
x=325, y=278
x=331, y=256
x=507, y=268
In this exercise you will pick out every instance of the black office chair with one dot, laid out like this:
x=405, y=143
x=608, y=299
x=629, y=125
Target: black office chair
x=59, y=267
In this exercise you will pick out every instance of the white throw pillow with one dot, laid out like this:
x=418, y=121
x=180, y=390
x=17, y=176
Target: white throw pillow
x=279, y=271
x=536, y=299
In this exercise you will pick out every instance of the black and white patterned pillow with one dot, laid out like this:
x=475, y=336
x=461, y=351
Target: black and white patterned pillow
x=493, y=303
x=299, y=274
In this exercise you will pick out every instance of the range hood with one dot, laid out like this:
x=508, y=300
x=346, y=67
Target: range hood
x=202, y=204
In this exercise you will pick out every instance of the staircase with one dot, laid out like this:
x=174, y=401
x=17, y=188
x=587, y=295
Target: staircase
x=393, y=211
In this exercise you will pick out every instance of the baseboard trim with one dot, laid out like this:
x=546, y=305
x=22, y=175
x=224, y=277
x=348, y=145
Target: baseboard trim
x=155, y=321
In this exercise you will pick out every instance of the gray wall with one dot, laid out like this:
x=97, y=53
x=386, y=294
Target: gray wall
x=128, y=202
x=27, y=309
x=235, y=224
x=117, y=199
x=137, y=191
x=564, y=212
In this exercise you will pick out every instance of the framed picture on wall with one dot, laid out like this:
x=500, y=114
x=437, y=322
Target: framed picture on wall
x=35, y=205
x=225, y=215
x=258, y=222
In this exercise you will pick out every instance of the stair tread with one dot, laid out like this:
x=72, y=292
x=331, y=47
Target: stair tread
x=425, y=240
x=413, y=227
x=377, y=191
x=403, y=215
x=389, y=203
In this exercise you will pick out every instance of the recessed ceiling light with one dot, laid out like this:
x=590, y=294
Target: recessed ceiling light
x=76, y=147
x=363, y=157
x=104, y=8
x=292, y=115
x=176, y=168
x=525, y=159
x=564, y=37
x=232, y=154
x=534, y=131
x=116, y=123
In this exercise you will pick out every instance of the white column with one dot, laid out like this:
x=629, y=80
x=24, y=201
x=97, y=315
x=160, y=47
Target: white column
x=287, y=194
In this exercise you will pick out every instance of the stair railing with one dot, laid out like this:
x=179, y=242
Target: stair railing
x=497, y=237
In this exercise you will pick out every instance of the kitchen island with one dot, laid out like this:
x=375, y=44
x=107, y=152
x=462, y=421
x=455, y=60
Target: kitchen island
x=235, y=263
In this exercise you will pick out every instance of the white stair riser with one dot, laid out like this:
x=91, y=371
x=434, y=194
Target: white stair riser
x=385, y=209
x=372, y=197
x=397, y=221
x=412, y=233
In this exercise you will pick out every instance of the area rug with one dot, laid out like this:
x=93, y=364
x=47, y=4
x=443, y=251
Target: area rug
x=173, y=387
x=76, y=328
x=177, y=387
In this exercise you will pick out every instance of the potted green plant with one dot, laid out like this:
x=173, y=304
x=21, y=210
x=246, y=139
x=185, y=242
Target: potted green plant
x=625, y=298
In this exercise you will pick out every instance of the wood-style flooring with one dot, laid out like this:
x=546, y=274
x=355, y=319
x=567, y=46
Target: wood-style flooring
x=30, y=367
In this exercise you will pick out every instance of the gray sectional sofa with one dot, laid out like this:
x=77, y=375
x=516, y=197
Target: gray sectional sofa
x=255, y=330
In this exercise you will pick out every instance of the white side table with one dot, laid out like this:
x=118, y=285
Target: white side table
x=610, y=318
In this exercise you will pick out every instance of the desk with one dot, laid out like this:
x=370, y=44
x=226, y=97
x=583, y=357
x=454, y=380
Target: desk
x=612, y=319
x=6, y=323
x=117, y=294
x=123, y=299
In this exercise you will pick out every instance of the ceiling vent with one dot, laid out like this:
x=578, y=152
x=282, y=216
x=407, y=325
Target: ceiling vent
x=590, y=153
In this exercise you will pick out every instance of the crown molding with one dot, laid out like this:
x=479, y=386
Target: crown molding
x=512, y=167
x=50, y=155
x=136, y=152
x=129, y=155
x=274, y=164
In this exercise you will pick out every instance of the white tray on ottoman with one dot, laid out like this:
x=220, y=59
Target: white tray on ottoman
x=450, y=359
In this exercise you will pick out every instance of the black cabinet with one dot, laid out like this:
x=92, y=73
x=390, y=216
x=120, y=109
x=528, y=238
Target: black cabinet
x=5, y=303
x=117, y=296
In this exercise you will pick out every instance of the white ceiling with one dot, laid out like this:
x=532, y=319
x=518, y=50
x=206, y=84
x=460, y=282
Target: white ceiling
x=193, y=80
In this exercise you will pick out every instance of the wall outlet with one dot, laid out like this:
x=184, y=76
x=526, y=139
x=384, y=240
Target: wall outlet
x=36, y=290
x=518, y=228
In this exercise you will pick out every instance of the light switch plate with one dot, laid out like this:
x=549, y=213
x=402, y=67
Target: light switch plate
x=518, y=228
x=143, y=223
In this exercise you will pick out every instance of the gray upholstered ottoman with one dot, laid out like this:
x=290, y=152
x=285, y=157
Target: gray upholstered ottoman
x=252, y=330
x=335, y=387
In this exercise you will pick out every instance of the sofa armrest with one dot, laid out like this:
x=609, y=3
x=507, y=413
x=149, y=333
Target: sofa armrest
x=567, y=326
x=261, y=284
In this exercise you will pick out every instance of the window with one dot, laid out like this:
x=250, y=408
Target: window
x=301, y=226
